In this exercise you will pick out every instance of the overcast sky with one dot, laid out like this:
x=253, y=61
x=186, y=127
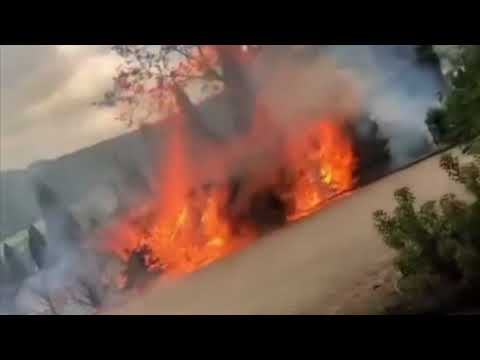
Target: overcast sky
x=46, y=95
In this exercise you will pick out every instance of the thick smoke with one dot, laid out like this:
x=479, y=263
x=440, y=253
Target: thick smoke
x=398, y=91
x=344, y=81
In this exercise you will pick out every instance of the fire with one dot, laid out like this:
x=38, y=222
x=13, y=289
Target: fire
x=190, y=226
x=187, y=227
x=201, y=215
x=322, y=162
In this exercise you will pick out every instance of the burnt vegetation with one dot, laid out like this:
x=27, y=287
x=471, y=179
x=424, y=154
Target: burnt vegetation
x=163, y=74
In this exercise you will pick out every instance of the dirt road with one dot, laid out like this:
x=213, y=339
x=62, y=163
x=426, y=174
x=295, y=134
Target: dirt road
x=315, y=267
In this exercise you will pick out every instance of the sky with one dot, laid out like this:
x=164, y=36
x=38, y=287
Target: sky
x=46, y=92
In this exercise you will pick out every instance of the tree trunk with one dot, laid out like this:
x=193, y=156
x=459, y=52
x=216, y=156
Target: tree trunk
x=242, y=99
x=193, y=116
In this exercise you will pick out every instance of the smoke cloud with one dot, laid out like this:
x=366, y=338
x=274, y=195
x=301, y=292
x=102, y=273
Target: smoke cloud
x=296, y=88
x=398, y=92
x=385, y=81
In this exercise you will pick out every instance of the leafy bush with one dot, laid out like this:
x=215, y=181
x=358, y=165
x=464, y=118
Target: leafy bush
x=440, y=240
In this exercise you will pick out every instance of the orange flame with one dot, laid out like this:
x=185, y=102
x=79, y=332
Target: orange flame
x=191, y=223
x=322, y=161
x=187, y=230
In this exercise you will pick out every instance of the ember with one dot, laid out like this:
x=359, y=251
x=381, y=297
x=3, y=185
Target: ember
x=211, y=207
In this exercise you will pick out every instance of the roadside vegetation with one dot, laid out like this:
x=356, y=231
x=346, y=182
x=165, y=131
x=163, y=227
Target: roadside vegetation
x=438, y=243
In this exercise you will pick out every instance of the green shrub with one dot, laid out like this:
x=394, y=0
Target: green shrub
x=438, y=240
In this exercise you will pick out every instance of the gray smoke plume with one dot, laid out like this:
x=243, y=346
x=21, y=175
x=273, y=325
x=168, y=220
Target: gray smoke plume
x=334, y=82
x=398, y=91
x=386, y=81
x=340, y=82
x=63, y=272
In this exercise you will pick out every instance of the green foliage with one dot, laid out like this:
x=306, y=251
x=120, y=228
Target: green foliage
x=440, y=239
x=437, y=124
x=426, y=54
x=458, y=120
x=468, y=175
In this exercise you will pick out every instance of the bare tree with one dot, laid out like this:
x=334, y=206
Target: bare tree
x=153, y=79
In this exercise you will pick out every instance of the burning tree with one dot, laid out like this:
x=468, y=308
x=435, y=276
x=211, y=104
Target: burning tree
x=215, y=196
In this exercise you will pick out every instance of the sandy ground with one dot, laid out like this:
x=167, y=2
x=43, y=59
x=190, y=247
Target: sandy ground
x=333, y=263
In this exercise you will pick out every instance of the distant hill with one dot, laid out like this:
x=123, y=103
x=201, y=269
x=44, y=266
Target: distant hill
x=72, y=177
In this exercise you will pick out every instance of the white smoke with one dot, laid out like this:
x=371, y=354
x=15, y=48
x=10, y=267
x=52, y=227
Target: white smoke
x=294, y=89
x=386, y=81
x=398, y=91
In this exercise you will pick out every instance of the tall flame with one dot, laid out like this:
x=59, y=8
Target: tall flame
x=189, y=226
x=194, y=222
x=322, y=161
